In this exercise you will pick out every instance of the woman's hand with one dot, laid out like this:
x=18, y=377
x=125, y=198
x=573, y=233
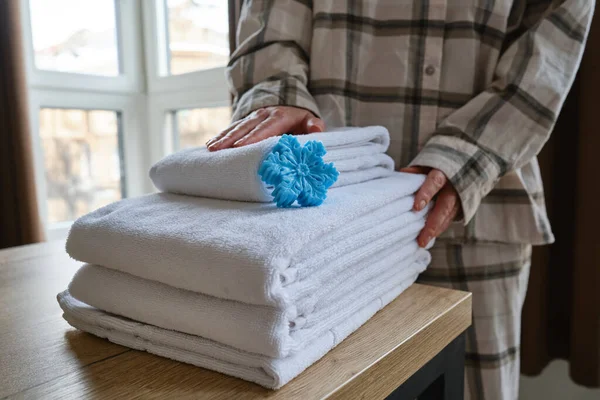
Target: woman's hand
x=264, y=123
x=447, y=202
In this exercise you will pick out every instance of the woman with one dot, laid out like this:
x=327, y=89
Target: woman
x=469, y=90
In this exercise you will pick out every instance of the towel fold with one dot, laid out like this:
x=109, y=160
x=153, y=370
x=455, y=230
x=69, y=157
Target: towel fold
x=249, y=252
x=232, y=174
x=265, y=371
x=257, y=329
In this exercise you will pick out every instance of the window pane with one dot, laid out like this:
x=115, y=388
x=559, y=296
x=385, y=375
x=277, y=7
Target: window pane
x=82, y=159
x=75, y=36
x=198, y=34
x=194, y=127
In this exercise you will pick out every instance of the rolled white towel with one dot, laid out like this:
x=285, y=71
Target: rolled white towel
x=232, y=174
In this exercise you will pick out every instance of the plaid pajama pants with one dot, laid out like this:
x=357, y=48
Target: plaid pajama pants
x=497, y=275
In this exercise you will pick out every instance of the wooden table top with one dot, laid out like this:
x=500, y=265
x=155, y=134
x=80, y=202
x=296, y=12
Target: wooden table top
x=41, y=356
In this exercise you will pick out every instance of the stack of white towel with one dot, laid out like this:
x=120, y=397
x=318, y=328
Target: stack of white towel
x=246, y=288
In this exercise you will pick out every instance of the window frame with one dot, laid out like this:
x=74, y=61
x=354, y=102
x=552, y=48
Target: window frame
x=154, y=22
x=143, y=97
x=160, y=107
x=167, y=93
x=130, y=79
x=122, y=104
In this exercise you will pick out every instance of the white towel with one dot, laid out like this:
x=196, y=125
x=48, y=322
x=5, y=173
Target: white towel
x=232, y=174
x=240, y=251
x=266, y=371
x=253, y=328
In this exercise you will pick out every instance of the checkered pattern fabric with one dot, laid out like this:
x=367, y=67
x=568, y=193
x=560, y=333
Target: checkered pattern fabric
x=471, y=87
x=497, y=276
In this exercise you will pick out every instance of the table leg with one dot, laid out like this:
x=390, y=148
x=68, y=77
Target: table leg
x=442, y=378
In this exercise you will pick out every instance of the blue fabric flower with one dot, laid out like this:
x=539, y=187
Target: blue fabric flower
x=297, y=172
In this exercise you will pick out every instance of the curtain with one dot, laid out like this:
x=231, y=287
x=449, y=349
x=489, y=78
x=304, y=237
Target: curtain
x=19, y=220
x=561, y=316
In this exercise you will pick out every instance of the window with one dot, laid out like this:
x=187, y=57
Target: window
x=82, y=161
x=193, y=128
x=82, y=40
x=116, y=85
x=198, y=35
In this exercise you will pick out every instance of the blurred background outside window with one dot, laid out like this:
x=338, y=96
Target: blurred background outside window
x=82, y=158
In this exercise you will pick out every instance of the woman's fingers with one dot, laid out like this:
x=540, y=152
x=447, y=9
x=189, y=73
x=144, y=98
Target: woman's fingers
x=415, y=170
x=308, y=123
x=275, y=125
x=246, y=125
x=434, y=182
x=439, y=218
x=223, y=132
x=447, y=203
x=451, y=218
x=280, y=122
x=313, y=124
x=264, y=123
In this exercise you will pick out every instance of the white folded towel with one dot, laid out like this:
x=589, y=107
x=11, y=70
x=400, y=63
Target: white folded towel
x=266, y=371
x=232, y=174
x=253, y=328
x=248, y=252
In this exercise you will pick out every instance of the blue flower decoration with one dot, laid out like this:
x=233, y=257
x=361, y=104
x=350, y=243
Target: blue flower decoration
x=297, y=172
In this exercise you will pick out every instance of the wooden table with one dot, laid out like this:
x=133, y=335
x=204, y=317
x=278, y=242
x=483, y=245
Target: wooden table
x=416, y=342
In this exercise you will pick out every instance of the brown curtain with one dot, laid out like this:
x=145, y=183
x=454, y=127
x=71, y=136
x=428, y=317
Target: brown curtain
x=19, y=220
x=561, y=317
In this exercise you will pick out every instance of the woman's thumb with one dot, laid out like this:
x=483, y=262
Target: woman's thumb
x=314, y=124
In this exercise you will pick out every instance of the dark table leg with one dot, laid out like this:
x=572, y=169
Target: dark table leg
x=442, y=378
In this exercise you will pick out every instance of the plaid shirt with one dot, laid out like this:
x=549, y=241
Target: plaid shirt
x=471, y=87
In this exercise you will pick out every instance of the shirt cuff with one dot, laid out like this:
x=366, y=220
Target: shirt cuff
x=472, y=170
x=284, y=92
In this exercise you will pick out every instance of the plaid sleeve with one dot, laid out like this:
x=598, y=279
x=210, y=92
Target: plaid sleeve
x=505, y=126
x=270, y=65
